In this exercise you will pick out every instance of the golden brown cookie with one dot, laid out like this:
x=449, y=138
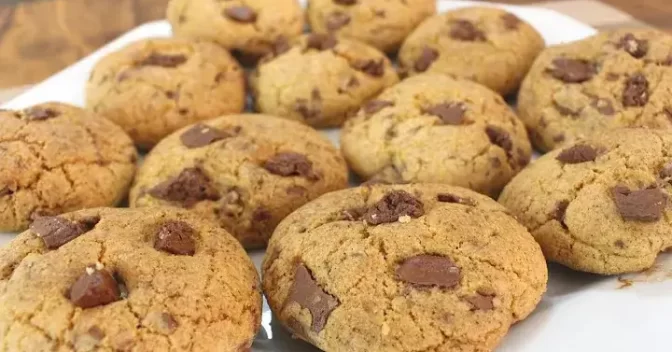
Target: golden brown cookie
x=620, y=78
x=248, y=27
x=127, y=280
x=56, y=158
x=319, y=80
x=600, y=205
x=433, y=128
x=153, y=87
x=380, y=23
x=245, y=172
x=421, y=267
x=487, y=45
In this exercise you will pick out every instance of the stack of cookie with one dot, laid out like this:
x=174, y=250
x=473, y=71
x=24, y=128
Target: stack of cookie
x=419, y=257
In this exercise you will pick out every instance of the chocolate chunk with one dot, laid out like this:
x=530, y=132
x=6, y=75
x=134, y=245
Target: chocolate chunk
x=56, y=231
x=41, y=114
x=321, y=41
x=666, y=171
x=635, y=47
x=392, y=206
x=175, y=237
x=353, y=214
x=572, y=70
x=451, y=198
x=466, y=31
x=480, y=302
x=577, y=154
x=500, y=138
x=337, y=20
x=169, y=61
x=374, y=106
x=426, y=58
x=291, y=164
x=645, y=205
x=603, y=106
x=449, y=113
x=345, y=2
x=429, y=270
x=620, y=244
x=372, y=67
x=636, y=92
x=560, y=211
x=243, y=14
x=191, y=186
x=201, y=135
x=511, y=21
x=307, y=293
x=94, y=288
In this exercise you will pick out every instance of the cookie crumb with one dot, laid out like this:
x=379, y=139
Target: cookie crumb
x=90, y=270
x=404, y=219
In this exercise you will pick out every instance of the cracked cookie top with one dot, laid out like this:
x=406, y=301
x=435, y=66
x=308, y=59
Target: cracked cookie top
x=433, y=128
x=153, y=87
x=245, y=172
x=485, y=45
x=56, y=158
x=600, y=205
x=319, y=80
x=403, y=268
x=127, y=279
x=615, y=79
x=379, y=23
x=248, y=27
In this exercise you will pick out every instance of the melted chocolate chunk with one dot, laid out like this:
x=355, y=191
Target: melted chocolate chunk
x=201, y=135
x=191, y=186
x=426, y=58
x=449, y=113
x=243, y=14
x=374, y=106
x=337, y=20
x=423, y=271
x=577, y=154
x=636, y=92
x=480, y=302
x=94, y=288
x=308, y=294
x=41, y=114
x=466, y=31
x=500, y=138
x=175, y=237
x=511, y=21
x=451, y=198
x=321, y=41
x=375, y=68
x=392, y=206
x=56, y=231
x=572, y=70
x=635, y=47
x=291, y=164
x=163, y=60
x=645, y=205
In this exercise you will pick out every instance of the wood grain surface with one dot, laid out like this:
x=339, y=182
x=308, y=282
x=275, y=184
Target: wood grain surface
x=40, y=37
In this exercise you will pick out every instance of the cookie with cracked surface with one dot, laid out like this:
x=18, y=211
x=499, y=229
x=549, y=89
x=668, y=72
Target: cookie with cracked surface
x=127, y=279
x=601, y=205
x=248, y=27
x=56, y=158
x=379, y=23
x=487, y=45
x=153, y=87
x=402, y=268
x=319, y=80
x=245, y=172
x=433, y=128
x=615, y=79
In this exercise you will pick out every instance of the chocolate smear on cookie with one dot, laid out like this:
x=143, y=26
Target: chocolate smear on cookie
x=425, y=271
x=56, y=231
x=337, y=20
x=307, y=293
x=175, y=237
x=41, y=114
x=645, y=205
x=320, y=41
x=451, y=198
x=393, y=206
x=466, y=31
x=201, y=135
x=636, y=91
x=291, y=164
x=572, y=70
x=577, y=154
x=499, y=137
x=371, y=67
x=374, y=106
x=426, y=58
x=511, y=21
x=449, y=113
x=163, y=60
x=243, y=14
x=94, y=288
x=481, y=301
x=191, y=186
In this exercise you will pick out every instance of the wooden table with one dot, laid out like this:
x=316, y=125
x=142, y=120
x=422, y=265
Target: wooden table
x=40, y=37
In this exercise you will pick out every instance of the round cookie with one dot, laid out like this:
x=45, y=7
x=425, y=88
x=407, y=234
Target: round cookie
x=127, y=279
x=421, y=267
x=319, y=80
x=615, y=79
x=433, y=128
x=245, y=172
x=156, y=86
x=379, y=23
x=56, y=158
x=248, y=27
x=486, y=45
x=600, y=205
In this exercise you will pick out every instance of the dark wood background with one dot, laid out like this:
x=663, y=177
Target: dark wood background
x=40, y=37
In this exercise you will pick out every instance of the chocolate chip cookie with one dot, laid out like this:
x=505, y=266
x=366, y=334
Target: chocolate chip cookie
x=56, y=158
x=402, y=268
x=319, y=80
x=247, y=27
x=433, y=128
x=486, y=45
x=615, y=79
x=379, y=23
x=245, y=172
x=153, y=87
x=600, y=205
x=127, y=280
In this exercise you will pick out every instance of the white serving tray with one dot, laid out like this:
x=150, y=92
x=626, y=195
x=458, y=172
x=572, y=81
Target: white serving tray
x=579, y=313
